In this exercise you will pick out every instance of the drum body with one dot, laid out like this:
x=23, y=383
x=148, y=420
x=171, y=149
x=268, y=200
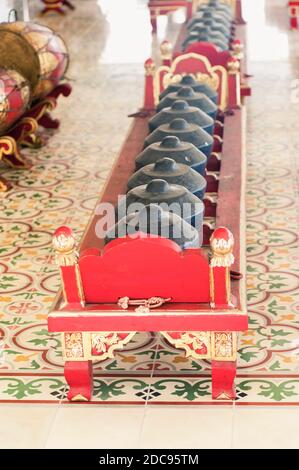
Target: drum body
x=35, y=51
x=14, y=97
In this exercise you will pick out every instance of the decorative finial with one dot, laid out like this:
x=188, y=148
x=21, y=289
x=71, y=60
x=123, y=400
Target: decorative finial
x=149, y=66
x=64, y=244
x=238, y=49
x=233, y=65
x=222, y=243
x=166, y=50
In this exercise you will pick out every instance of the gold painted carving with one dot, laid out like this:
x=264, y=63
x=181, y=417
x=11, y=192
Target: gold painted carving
x=216, y=76
x=73, y=345
x=105, y=343
x=224, y=346
x=192, y=342
x=64, y=246
x=222, y=251
x=79, y=397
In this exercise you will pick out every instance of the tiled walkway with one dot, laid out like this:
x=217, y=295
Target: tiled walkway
x=61, y=188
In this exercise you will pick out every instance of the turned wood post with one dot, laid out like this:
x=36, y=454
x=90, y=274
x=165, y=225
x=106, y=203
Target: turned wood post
x=149, y=98
x=239, y=12
x=234, y=83
x=222, y=242
x=166, y=53
x=67, y=260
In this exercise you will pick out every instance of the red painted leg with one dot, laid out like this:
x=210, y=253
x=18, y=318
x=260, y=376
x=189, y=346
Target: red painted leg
x=78, y=375
x=154, y=23
x=293, y=22
x=239, y=14
x=223, y=380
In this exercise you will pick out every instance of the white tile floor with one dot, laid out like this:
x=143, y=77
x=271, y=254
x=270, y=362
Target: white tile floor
x=150, y=427
x=73, y=426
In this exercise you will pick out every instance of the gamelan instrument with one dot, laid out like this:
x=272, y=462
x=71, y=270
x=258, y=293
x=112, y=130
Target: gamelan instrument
x=155, y=269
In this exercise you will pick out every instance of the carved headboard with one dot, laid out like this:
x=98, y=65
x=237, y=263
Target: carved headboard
x=145, y=266
x=198, y=66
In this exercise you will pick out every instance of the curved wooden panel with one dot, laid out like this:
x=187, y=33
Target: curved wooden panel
x=142, y=267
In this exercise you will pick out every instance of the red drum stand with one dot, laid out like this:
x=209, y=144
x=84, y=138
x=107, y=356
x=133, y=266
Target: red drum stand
x=24, y=131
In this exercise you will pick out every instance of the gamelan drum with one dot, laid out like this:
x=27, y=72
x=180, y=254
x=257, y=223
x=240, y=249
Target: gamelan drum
x=14, y=98
x=35, y=51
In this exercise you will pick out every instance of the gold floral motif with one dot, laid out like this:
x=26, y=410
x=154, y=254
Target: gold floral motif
x=224, y=345
x=212, y=80
x=215, y=76
x=103, y=344
x=102, y=341
x=222, y=251
x=191, y=342
x=73, y=345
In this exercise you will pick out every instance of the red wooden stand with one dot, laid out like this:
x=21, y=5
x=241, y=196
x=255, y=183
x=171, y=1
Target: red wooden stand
x=56, y=6
x=24, y=132
x=223, y=72
x=203, y=311
x=147, y=283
